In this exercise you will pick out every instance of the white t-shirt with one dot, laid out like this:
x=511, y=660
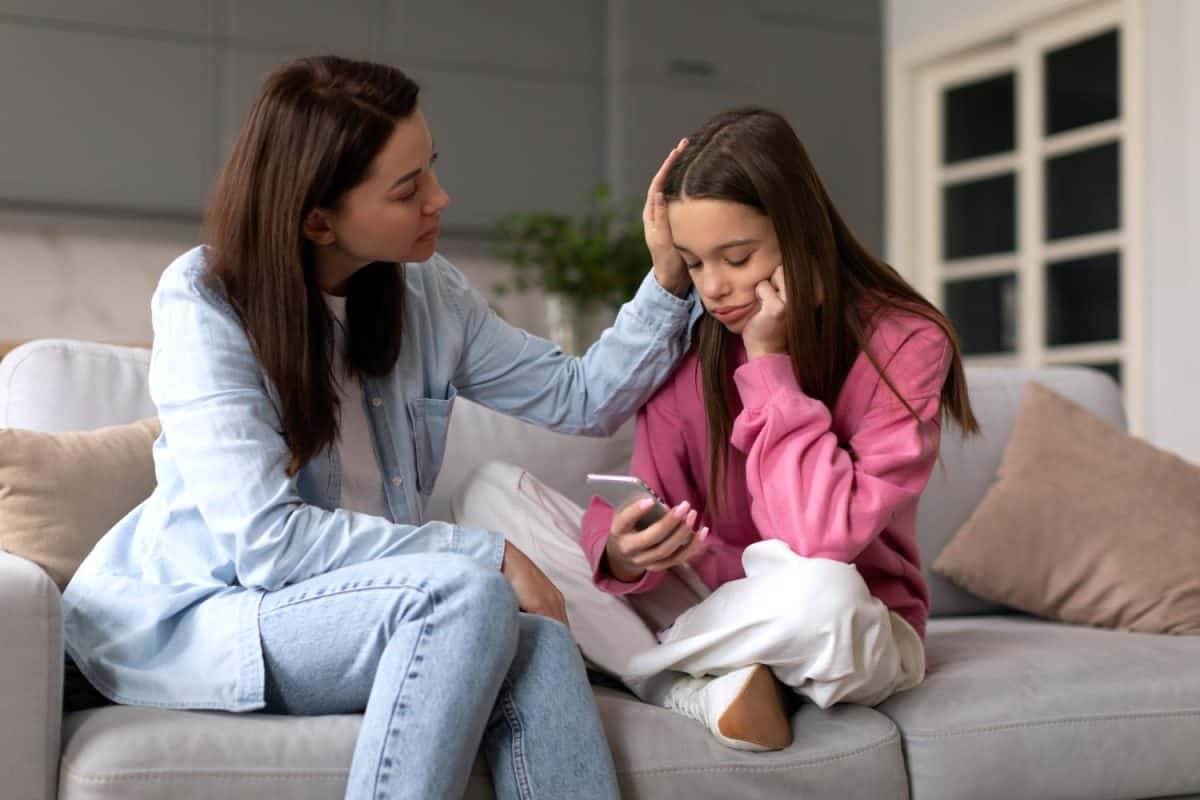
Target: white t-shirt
x=362, y=479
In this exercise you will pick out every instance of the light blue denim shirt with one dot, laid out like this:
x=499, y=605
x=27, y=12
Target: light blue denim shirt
x=164, y=611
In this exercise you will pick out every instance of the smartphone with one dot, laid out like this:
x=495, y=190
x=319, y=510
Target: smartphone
x=621, y=490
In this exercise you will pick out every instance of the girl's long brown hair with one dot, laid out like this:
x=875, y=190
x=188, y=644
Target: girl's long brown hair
x=311, y=135
x=753, y=157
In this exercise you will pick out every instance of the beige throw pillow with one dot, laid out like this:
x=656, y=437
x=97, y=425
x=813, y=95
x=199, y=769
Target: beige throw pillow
x=1085, y=525
x=60, y=492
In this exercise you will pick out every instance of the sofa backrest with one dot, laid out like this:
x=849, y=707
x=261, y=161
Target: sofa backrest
x=66, y=385
x=55, y=385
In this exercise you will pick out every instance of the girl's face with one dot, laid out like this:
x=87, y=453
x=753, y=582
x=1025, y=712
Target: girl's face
x=729, y=249
x=391, y=215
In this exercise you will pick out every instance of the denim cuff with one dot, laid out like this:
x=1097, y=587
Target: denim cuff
x=482, y=545
x=662, y=310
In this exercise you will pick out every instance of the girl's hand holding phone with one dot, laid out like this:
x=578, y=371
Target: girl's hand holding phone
x=668, y=542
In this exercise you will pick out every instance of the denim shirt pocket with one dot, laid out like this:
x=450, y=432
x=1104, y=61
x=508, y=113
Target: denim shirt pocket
x=430, y=419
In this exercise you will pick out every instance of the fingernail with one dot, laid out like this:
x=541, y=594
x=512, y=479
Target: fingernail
x=704, y=533
x=658, y=197
x=681, y=509
x=691, y=518
x=646, y=504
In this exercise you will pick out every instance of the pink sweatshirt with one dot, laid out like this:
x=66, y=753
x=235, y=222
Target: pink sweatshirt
x=840, y=485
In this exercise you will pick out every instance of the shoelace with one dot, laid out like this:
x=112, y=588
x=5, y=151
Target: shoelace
x=687, y=697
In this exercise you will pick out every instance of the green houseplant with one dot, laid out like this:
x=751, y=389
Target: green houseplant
x=587, y=266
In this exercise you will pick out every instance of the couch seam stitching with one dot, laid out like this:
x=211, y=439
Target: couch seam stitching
x=143, y=775
x=931, y=734
x=772, y=768
x=335, y=772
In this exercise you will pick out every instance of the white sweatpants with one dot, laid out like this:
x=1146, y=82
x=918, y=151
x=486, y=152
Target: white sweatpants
x=812, y=621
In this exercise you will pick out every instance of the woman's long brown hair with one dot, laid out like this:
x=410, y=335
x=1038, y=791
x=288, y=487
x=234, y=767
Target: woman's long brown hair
x=311, y=135
x=753, y=157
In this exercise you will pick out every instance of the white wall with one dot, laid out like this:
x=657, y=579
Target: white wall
x=92, y=279
x=1173, y=226
x=83, y=279
x=1171, y=195
x=907, y=22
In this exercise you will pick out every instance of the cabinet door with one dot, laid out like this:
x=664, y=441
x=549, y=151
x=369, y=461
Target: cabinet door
x=839, y=121
x=559, y=38
x=195, y=17
x=106, y=121
x=706, y=44
x=686, y=67
x=346, y=28
x=507, y=144
x=657, y=117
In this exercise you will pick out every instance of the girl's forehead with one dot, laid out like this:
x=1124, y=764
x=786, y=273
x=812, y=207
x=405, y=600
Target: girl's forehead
x=707, y=222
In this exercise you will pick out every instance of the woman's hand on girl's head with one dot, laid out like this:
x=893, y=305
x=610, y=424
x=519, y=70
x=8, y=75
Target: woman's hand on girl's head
x=669, y=269
x=766, y=332
x=669, y=542
x=536, y=594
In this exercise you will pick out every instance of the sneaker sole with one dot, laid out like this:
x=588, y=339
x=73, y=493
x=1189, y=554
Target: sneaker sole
x=757, y=714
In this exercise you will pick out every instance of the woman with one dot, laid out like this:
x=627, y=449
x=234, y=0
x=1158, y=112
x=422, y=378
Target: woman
x=304, y=367
x=798, y=434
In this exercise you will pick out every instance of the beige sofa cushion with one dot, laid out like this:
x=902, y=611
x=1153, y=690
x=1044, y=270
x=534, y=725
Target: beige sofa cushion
x=1086, y=525
x=60, y=492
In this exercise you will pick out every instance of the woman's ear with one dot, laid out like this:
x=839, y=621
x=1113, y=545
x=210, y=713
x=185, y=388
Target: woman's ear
x=318, y=228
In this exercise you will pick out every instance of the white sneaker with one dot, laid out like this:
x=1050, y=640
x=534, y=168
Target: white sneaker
x=743, y=709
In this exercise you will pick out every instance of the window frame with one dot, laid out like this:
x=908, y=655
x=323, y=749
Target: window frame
x=1016, y=39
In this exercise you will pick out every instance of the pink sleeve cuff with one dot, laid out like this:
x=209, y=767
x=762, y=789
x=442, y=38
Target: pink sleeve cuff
x=760, y=378
x=597, y=521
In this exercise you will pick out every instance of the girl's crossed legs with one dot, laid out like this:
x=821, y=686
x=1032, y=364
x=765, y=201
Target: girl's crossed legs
x=813, y=622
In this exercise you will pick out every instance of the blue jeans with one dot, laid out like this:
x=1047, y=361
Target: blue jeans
x=433, y=648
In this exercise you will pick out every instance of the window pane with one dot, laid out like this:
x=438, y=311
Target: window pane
x=1111, y=368
x=984, y=310
x=979, y=217
x=1081, y=84
x=979, y=119
x=1083, y=192
x=1083, y=300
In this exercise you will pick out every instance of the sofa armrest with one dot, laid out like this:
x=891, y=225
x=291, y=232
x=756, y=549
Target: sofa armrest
x=31, y=679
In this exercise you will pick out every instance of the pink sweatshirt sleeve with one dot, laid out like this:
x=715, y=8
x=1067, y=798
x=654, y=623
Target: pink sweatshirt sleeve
x=825, y=500
x=660, y=459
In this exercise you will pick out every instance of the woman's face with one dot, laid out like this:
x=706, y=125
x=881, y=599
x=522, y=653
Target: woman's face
x=392, y=214
x=729, y=248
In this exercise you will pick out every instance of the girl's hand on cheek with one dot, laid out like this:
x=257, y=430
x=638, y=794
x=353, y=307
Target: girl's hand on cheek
x=766, y=332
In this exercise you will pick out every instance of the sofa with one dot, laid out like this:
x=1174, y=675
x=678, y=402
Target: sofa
x=1012, y=707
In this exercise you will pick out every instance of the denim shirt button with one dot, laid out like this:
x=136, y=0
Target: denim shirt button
x=377, y=401
x=397, y=481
